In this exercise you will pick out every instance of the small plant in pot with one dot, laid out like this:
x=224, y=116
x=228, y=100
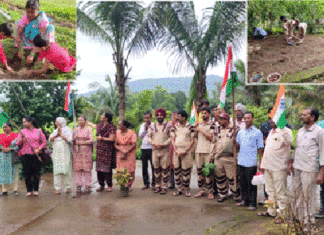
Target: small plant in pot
x=208, y=169
x=122, y=176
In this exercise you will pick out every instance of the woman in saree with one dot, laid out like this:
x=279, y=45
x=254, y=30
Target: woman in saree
x=61, y=140
x=82, y=154
x=31, y=24
x=125, y=145
x=8, y=170
x=106, y=159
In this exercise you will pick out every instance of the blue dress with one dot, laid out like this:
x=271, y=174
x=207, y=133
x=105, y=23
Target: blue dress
x=6, y=166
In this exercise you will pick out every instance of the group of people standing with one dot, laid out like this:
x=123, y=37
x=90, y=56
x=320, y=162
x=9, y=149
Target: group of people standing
x=72, y=153
x=174, y=145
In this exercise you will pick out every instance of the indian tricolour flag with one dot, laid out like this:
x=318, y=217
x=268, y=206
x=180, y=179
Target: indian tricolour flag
x=68, y=100
x=3, y=117
x=278, y=112
x=194, y=118
x=229, y=78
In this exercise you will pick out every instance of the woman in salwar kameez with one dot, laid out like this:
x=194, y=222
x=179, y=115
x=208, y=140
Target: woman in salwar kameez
x=82, y=154
x=8, y=148
x=106, y=156
x=125, y=145
x=62, y=158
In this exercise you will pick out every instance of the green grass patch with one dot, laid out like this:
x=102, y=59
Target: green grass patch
x=63, y=9
x=59, y=10
x=304, y=76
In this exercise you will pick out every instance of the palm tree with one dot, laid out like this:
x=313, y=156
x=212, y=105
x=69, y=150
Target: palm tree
x=102, y=100
x=198, y=45
x=126, y=26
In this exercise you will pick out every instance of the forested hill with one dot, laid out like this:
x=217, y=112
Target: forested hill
x=171, y=84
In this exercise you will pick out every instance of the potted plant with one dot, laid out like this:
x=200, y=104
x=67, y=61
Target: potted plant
x=208, y=168
x=123, y=177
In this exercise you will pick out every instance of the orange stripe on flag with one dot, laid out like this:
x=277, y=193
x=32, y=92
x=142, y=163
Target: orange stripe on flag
x=281, y=92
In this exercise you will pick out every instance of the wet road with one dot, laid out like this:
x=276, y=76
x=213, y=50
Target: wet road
x=143, y=212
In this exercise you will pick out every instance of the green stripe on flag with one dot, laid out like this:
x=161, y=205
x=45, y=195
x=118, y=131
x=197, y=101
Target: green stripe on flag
x=234, y=78
x=3, y=118
x=282, y=122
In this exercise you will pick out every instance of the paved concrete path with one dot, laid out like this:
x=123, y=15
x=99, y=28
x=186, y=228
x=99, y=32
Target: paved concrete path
x=143, y=212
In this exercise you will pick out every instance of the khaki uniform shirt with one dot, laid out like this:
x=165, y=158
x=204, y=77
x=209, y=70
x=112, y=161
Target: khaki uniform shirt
x=183, y=135
x=159, y=134
x=309, y=152
x=203, y=144
x=224, y=141
x=277, y=150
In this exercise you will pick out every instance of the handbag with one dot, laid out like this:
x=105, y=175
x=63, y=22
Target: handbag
x=45, y=153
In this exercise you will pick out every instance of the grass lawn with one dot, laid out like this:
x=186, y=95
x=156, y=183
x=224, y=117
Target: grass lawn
x=63, y=15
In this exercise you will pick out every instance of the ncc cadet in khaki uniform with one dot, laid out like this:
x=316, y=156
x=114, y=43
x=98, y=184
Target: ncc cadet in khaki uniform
x=159, y=138
x=182, y=140
x=204, y=135
x=224, y=159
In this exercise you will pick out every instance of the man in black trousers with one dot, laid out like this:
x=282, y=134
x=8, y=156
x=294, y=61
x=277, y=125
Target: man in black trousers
x=146, y=149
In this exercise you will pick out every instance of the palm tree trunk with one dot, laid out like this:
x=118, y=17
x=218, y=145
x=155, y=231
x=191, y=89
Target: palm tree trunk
x=201, y=87
x=120, y=81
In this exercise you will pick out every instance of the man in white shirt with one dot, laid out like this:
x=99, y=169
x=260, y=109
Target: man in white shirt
x=146, y=149
x=274, y=165
x=308, y=166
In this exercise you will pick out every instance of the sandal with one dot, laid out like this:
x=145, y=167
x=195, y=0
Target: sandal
x=157, y=190
x=87, y=190
x=163, y=191
x=200, y=194
x=58, y=193
x=177, y=193
x=221, y=199
x=28, y=194
x=211, y=196
x=68, y=190
x=241, y=204
x=100, y=189
x=109, y=189
x=264, y=213
x=36, y=193
x=188, y=194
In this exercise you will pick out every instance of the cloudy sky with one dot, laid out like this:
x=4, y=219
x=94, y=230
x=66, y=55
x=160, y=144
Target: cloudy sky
x=95, y=60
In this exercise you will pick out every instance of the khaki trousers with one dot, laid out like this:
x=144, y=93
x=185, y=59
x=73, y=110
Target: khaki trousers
x=276, y=187
x=203, y=181
x=16, y=179
x=161, y=165
x=225, y=171
x=182, y=171
x=304, y=191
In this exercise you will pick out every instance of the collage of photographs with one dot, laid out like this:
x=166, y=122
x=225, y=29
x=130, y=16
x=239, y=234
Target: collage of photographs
x=162, y=117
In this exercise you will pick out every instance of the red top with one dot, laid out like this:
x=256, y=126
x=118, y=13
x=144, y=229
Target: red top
x=59, y=57
x=6, y=141
x=3, y=59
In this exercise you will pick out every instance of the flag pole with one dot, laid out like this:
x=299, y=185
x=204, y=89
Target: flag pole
x=233, y=73
x=234, y=131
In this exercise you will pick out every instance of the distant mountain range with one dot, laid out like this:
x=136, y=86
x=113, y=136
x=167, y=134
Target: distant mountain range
x=171, y=84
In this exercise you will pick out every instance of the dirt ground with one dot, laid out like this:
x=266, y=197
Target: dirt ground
x=296, y=64
x=17, y=64
x=21, y=68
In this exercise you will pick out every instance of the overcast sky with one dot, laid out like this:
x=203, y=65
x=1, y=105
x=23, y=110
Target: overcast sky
x=95, y=60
